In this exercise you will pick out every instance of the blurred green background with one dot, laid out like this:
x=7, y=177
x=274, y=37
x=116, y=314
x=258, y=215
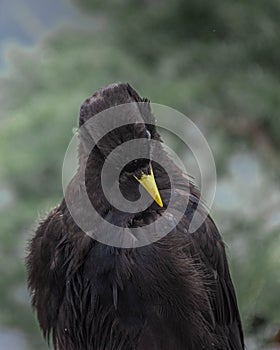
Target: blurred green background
x=217, y=62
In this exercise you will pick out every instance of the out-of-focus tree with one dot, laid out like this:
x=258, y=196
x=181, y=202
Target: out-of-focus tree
x=216, y=62
x=225, y=53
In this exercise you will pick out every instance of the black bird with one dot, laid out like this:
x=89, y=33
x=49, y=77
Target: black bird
x=173, y=294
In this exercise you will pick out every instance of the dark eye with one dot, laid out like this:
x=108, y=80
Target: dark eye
x=148, y=134
x=136, y=164
x=132, y=166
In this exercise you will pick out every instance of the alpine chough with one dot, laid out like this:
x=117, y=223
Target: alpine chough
x=175, y=293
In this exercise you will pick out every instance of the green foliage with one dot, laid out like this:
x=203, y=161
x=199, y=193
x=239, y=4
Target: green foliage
x=228, y=49
x=216, y=62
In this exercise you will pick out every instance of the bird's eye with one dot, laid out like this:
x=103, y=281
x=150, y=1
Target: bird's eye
x=140, y=163
x=132, y=166
x=148, y=134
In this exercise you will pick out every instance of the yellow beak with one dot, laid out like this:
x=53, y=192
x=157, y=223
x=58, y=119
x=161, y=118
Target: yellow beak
x=149, y=183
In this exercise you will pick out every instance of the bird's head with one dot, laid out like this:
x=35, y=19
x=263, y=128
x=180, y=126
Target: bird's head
x=114, y=118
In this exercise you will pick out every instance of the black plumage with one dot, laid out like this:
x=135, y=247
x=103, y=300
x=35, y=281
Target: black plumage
x=173, y=294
